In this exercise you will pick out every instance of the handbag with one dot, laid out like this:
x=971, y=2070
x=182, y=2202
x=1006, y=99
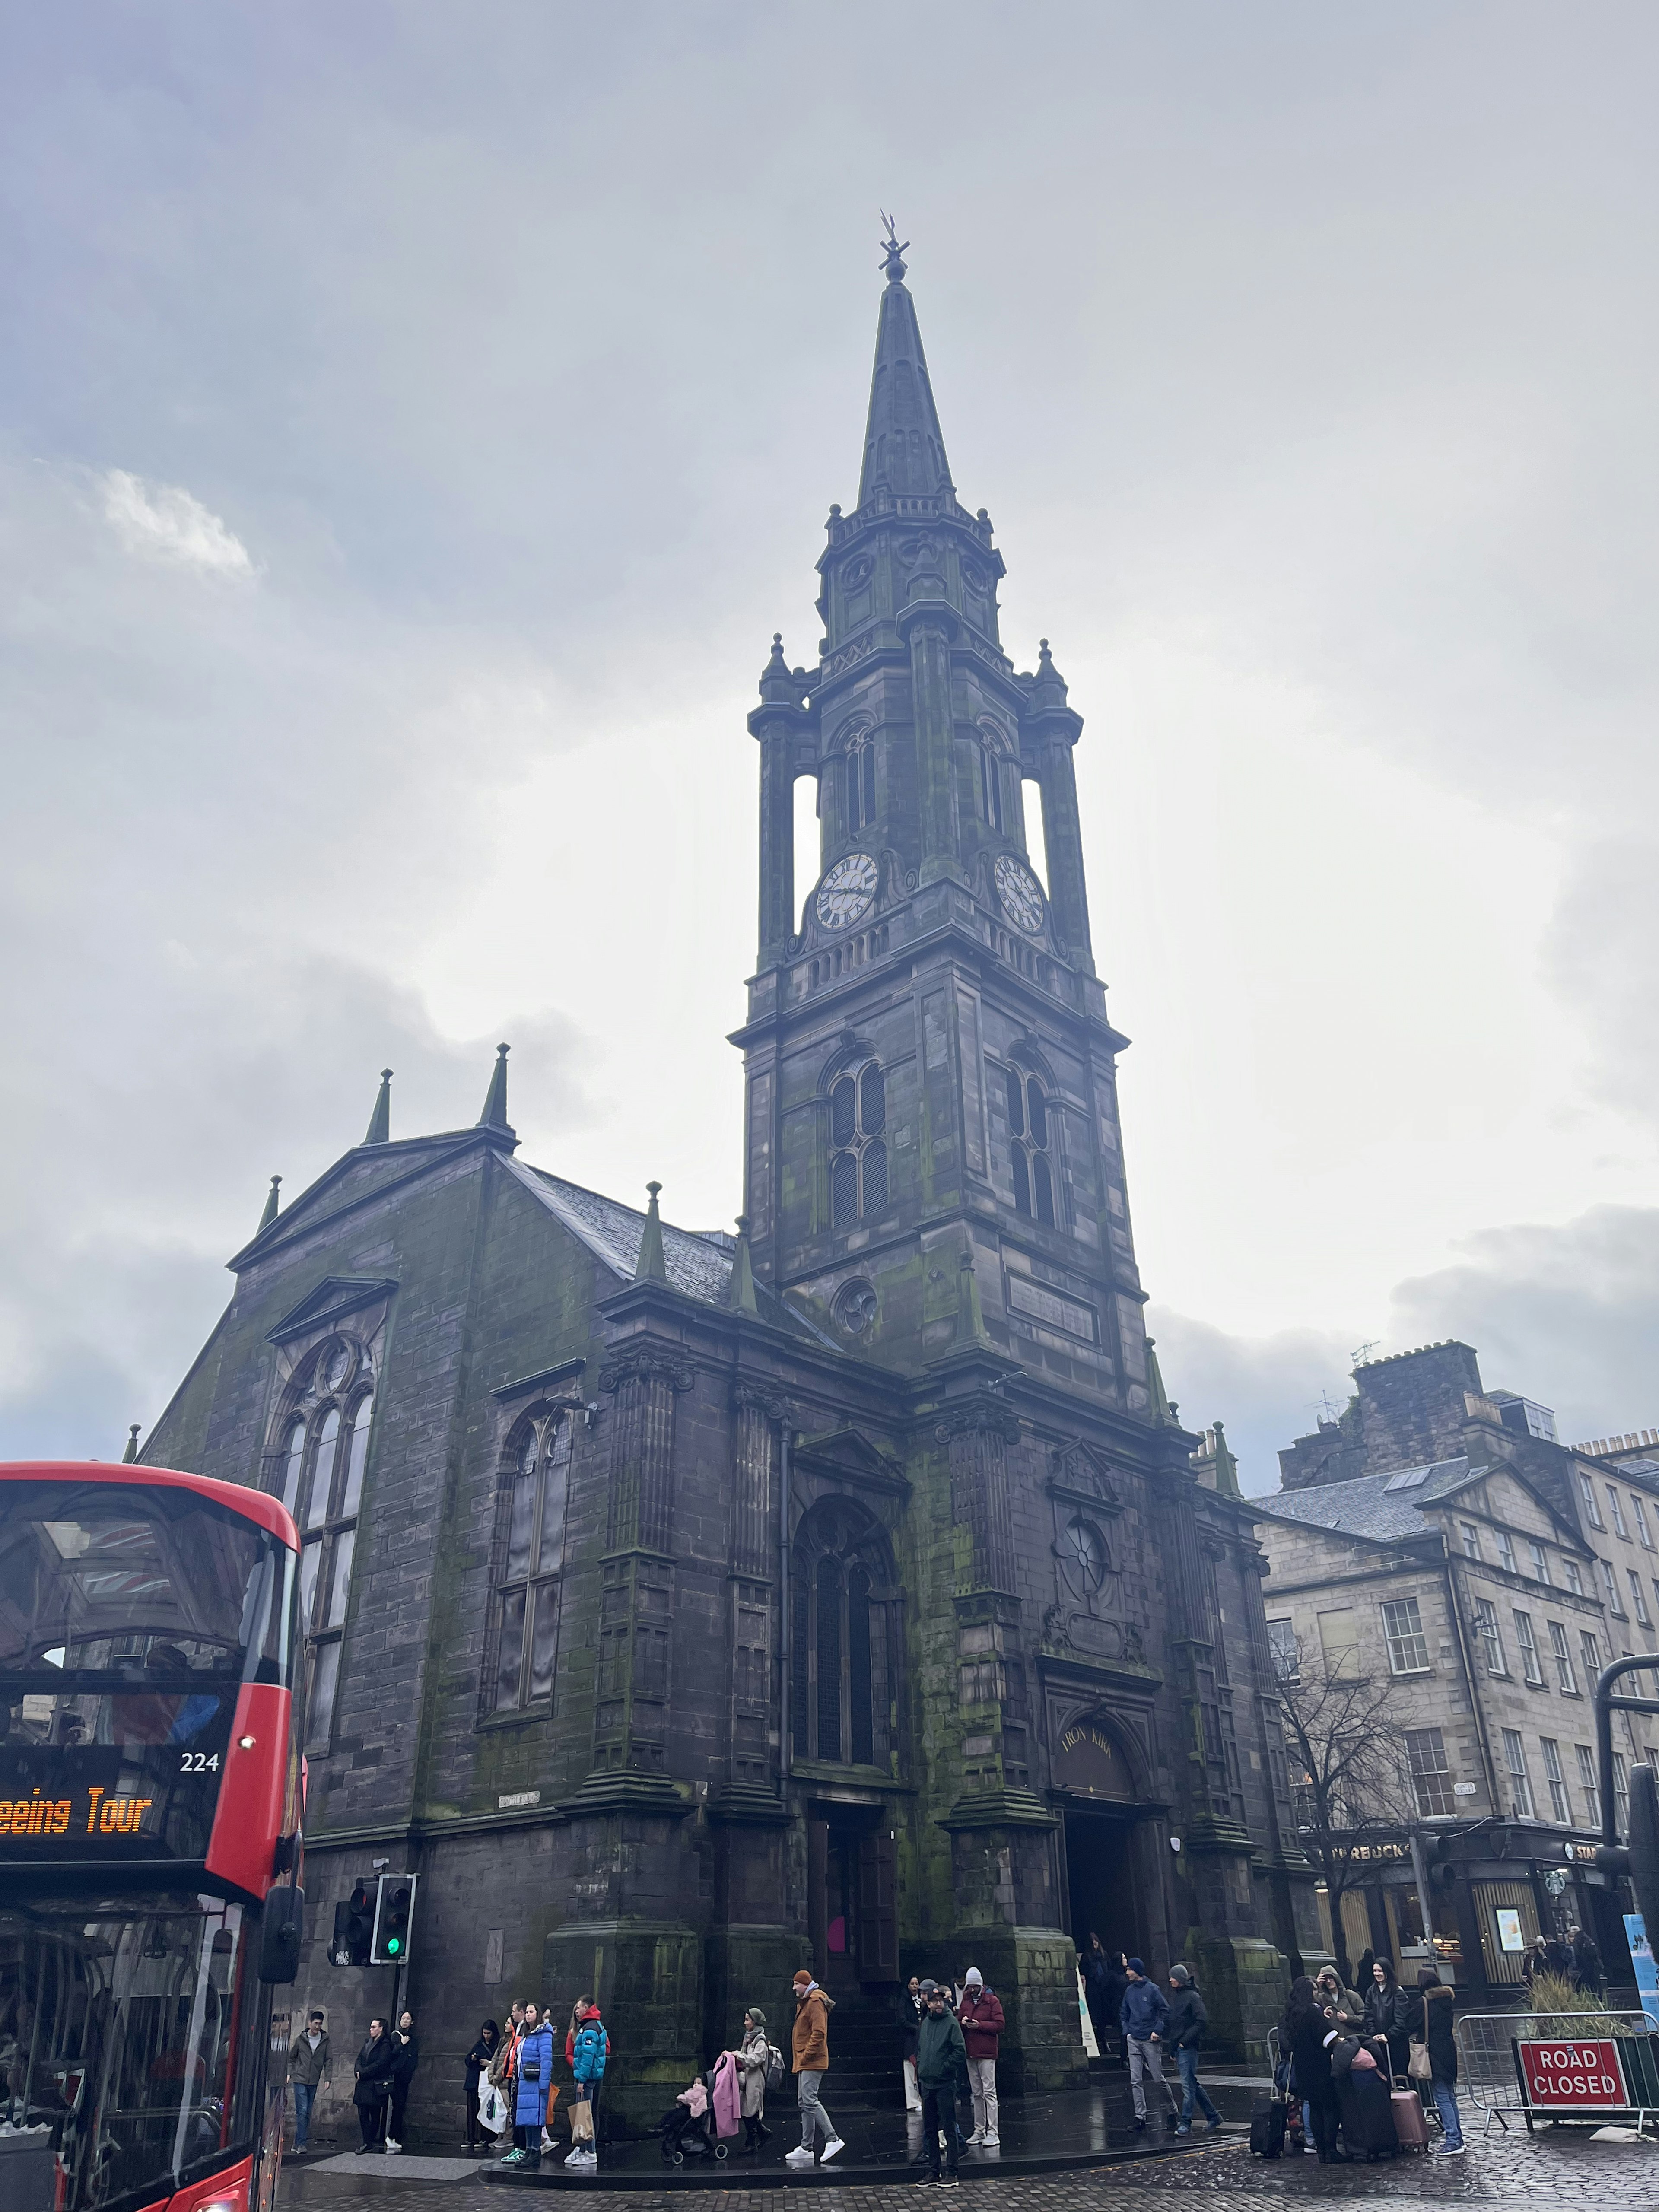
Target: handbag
x=1419, y=2065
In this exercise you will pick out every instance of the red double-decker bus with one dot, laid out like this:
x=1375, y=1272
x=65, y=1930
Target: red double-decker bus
x=150, y=1802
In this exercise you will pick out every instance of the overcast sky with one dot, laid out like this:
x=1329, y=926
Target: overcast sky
x=415, y=420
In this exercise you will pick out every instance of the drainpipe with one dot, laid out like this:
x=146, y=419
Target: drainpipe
x=785, y=1434
x=1469, y=1677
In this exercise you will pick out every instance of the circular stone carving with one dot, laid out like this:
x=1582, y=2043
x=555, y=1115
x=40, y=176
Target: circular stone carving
x=854, y=1307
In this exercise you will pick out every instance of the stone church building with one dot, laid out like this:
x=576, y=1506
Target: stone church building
x=688, y=1606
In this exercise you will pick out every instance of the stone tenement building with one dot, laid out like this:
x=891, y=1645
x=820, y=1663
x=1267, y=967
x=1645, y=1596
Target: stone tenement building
x=1438, y=1534
x=684, y=1607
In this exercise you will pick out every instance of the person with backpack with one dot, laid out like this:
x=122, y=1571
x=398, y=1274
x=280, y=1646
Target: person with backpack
x=1141, y=2016
x=810, y=2044
x=754, y=2056
x=980, y=2017
x=942, y=2074
x=589, y=2050
x=1184, y=2032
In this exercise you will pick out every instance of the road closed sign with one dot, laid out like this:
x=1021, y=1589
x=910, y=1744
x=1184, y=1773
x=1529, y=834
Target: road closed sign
x=1576, y=2075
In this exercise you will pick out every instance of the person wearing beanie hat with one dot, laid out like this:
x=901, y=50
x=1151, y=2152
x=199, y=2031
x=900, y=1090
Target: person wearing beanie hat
x=810, y=2047
x=982, y=2023
x=1142, y=2019
x=1184, y=2032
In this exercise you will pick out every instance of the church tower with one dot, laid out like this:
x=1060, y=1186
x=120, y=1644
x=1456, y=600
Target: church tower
x=933, y=1137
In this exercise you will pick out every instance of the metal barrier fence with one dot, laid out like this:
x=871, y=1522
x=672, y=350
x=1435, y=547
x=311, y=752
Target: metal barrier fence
x=1486, y=2060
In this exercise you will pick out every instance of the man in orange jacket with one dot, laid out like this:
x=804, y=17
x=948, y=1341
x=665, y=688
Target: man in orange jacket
x=810, y=2043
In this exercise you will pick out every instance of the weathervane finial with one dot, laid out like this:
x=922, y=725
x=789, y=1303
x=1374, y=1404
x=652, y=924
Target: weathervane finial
x=893, y=265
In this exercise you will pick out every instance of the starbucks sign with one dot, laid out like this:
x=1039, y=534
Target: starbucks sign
x=1088, y=1763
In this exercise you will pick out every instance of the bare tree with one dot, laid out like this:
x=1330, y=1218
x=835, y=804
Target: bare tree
x=1351, y=1775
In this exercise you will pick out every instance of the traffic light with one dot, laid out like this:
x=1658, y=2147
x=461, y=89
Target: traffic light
x=393, y=1913
x=354, y=1925
x=1437, y=1851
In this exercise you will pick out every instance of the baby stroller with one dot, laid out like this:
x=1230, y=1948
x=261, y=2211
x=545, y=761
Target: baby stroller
x=688, y=2129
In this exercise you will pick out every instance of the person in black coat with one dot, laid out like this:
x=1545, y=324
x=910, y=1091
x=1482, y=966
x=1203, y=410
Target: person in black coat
x=405, y=2058
x=1364, y=2098
x=912, y=2011
x=1429, y=2021
x=372, y=2085
x=1385, y=2013
x=1587, y=1962
x=1308, y=2030
x=481, y=2057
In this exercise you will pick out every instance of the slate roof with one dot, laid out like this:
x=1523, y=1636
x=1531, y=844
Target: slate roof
x=699, y=1263
x=1366, y=1507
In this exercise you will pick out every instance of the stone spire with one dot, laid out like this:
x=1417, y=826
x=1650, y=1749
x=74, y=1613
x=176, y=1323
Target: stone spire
x=742, y=1291
x=495, y=1106
x=653, y=1267
x=1226, y=1467
x=272, y=1204
x=1163, y=1412
x=379, y=1131
x=131, y=1452
x=903, y=444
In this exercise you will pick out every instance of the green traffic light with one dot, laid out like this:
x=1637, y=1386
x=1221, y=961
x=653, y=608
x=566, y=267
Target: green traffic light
x=394, y=1944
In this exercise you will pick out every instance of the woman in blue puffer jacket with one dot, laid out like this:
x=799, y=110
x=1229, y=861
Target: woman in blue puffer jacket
x=533, y=2069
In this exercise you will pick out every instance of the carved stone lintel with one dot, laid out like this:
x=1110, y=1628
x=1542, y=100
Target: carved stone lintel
x=650, y=1366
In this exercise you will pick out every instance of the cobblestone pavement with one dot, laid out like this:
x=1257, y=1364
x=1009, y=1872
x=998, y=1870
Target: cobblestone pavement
x=1555, y=2167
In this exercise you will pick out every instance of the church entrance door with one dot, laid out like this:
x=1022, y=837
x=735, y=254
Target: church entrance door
x=1103, y=1882
x=851, y=1899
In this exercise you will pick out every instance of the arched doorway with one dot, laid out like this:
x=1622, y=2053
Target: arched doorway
x=1098, y=1793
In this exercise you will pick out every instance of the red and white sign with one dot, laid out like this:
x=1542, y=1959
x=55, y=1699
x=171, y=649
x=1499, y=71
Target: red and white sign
x=1574, y=2076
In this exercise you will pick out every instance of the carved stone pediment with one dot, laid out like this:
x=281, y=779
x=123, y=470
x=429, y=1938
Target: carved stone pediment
x=846, y=1454
x=1083, y=1476
x=334, y=1297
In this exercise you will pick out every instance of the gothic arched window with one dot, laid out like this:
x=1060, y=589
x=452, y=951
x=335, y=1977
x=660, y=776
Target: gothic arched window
x=843, y=1698
x=859, y=772
x=317, y=1473
x=1031, y=1157
x=529, y=1555
x=858, y=1151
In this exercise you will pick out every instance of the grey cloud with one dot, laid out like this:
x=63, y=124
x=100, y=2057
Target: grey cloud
x=1264, y=1389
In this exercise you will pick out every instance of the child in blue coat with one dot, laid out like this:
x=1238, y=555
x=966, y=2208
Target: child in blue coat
x=589, y=2050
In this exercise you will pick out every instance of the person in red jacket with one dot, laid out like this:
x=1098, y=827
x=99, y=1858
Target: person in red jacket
x=982, y=2023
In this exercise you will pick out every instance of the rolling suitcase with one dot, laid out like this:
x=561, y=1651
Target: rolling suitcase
x=1267, y=2127
x=1409, y=2123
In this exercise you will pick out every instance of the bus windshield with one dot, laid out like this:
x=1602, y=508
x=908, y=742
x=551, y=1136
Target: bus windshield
x=130, y=2036
x=131, y=1617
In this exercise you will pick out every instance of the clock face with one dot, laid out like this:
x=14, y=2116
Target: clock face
x=1020, y=892
x=848, y=891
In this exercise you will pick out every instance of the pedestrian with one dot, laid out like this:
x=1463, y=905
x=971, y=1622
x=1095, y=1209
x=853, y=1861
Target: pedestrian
x=1184, y=2033
x=1557, y=1958
x=1586, y=1961
x=1364, y=2099
x=589, y=2052
x=1332, y=1989
x=372, y=2087
x=982, y=2020
x=942, y=2072
x=754, y=2058
x=1385, y=2013
x=1117, y=1980
x=1312, y=2031
x=810, y=2046
x=478, y=2062
x=1429, y=2021
x=532, y=2071
x=1141, y=2017
x=912, y=2009
x=406, y=2057
x=309, y=2064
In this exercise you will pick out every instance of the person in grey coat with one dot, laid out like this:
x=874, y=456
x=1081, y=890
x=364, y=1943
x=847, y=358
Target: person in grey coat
x=309, y=2064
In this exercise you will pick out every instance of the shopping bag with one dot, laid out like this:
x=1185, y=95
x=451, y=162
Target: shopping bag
x=581, y=2120
x=1420, y=2065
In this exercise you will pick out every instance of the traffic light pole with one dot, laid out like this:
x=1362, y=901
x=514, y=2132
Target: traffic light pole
x=1638, y=1857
